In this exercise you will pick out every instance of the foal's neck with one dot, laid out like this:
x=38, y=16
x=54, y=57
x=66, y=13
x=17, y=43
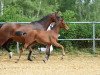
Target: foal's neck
x=56, y=29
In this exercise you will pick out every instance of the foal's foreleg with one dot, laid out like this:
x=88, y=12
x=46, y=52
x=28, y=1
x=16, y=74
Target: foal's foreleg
x=59, y=45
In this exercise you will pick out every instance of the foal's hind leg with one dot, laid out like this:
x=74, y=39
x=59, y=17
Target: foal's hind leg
x=21, y=51
x=47, y=53
x=30, y=52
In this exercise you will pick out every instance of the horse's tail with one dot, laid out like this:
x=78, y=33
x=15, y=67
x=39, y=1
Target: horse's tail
x=1, y=25
x=20, y=33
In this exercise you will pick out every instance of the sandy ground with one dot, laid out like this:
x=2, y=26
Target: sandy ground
x=71, y=65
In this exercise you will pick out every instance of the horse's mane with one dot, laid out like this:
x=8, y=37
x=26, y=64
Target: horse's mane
x=42, y=19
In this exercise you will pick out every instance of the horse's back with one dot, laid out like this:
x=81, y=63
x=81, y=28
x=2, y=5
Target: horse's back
x=25, y=28
x=42, y=35
x=1, y=25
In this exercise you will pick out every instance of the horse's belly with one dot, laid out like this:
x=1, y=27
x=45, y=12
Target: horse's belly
x=18, y=39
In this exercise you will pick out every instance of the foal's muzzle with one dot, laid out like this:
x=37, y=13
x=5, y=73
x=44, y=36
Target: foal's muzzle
x=66, y=27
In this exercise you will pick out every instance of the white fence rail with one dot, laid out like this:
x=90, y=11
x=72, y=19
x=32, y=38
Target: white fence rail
x=93, y=32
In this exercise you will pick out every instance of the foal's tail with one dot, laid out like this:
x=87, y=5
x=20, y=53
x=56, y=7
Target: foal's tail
x=20, y=33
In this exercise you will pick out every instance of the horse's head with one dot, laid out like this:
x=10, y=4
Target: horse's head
x=62, y=24
x=55, y=17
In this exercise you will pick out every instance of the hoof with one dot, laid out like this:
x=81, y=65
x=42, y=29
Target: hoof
x=63, y=54
x=17, y=61
x=10, y=55
x=34, y=57
x=29, y=59
x=61, y=58
x=44, y=61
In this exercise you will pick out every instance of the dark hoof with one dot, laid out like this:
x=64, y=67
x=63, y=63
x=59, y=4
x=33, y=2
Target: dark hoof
x=10, y=57
x=17, y=61
x=44, y=61
x=61, y=58
x=30, y=59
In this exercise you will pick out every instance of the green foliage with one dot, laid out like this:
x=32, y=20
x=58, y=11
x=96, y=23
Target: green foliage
x=69, y=15
x=71, y=10
x=13, y=14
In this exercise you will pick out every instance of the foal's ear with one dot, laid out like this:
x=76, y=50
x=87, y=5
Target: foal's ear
x=61, y=20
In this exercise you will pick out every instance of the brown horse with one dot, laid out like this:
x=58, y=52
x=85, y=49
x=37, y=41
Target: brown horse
x=44, y=37
x=9, y=29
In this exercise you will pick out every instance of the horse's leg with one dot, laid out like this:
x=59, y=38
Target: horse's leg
x=30, y=52
x=59, y=45
x=6, y=47
x=47, y=53
x=20, y=53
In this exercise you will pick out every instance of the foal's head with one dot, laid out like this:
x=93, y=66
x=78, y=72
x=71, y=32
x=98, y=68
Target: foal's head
x=62, y=24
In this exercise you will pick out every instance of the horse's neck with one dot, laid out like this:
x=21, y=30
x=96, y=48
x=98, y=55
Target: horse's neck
x=45, y=23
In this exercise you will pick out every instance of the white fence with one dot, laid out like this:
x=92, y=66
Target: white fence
x=93, y=32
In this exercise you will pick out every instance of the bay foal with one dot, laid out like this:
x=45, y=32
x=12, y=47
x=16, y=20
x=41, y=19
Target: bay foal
x=45, y=37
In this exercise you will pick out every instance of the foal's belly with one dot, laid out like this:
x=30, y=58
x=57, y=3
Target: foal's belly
x=43, y=40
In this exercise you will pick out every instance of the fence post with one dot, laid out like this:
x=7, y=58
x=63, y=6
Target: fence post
x=94, y=50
